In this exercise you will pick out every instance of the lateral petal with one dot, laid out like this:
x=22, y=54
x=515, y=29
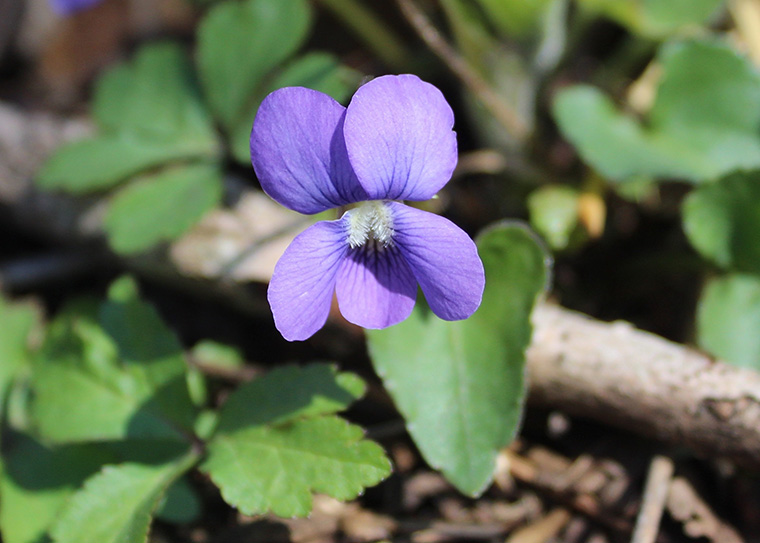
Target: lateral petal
x=443, y=259
x=303, y=281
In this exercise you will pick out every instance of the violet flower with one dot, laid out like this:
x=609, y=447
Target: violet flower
x=69, y=7
x=393, y=142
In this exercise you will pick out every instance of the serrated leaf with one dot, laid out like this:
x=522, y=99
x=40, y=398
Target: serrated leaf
x=289, y=393
x=36, y=483
x=262, y=468
x=459, y=385
x=728, y=318
x=722, y=220
x=240, y=42
x=318, y=71
x=90, y=386
x=150, y=113
x=554, y=213
x=17, y=321
x=100, y=163
x=702, y=125
x=149, y=350
x=117, y=504
x=276, y=442
x=161, y=207
x=155, y=96
x=181, y=504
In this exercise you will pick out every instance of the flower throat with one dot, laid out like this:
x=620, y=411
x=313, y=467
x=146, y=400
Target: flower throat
x=370, y=221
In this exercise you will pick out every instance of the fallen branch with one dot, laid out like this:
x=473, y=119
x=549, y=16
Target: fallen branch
x=609, y=372
x=622, y=376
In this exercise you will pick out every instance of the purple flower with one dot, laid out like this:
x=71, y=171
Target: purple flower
x=68, y=7
x=393, y=142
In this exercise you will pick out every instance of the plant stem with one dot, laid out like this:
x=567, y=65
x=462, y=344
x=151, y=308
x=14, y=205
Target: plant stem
x=377, y=36
x=500, y=109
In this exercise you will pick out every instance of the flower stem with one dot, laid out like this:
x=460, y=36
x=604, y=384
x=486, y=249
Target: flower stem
x=383, y=42
x=501, y=110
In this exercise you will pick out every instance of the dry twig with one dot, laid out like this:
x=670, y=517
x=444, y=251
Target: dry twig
x=622, y=376
x=653, y=501
x=460, y=68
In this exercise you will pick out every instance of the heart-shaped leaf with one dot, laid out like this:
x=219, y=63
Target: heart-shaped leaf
x=728, y=319
x=459, y=385
x=704, y=122
x=722, y=220
x=161, y=207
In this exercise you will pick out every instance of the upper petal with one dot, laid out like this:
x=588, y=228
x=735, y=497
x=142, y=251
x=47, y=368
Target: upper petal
x=399, y=136
x=298, y=151
x=302, y=286
x=375, y=288
x=444, y=260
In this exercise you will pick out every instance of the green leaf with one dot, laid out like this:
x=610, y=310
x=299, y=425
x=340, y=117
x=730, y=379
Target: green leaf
x=117, y=504
x=181, y=504
x=554, y=213
x=702, y=125
x=262, y=468
x=100, y=163
x=36, y=483
x=155, y=96
x=277, y=442
x=90, y=386
x=149, y=350
x=459, y=385
x=728, y=318
x=722, y=220
x=150, y=113
x=146, y=211
x=655, y=18
x=217, y=355
x=239, y=43
x=17, y=321
x=514, y=18
x=289, y=393
x=472, y=37
x=318, y=71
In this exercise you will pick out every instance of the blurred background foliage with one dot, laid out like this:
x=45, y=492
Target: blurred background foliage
x=625, y=132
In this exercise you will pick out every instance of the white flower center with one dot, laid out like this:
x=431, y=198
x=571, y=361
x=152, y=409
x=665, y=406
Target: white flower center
x=371, y=220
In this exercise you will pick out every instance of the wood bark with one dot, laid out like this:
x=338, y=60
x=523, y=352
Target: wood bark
x=622, y=376
x=610, y=372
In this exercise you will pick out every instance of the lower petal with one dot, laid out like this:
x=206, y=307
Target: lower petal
x=443, y=259
x=303, y=281
x=375, y=288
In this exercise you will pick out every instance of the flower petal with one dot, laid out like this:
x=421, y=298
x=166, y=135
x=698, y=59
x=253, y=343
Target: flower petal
x=298, y=151
x=69, y=7
x=399, y=137
x=376, y=288
x=444, y=260
x=303, y=282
